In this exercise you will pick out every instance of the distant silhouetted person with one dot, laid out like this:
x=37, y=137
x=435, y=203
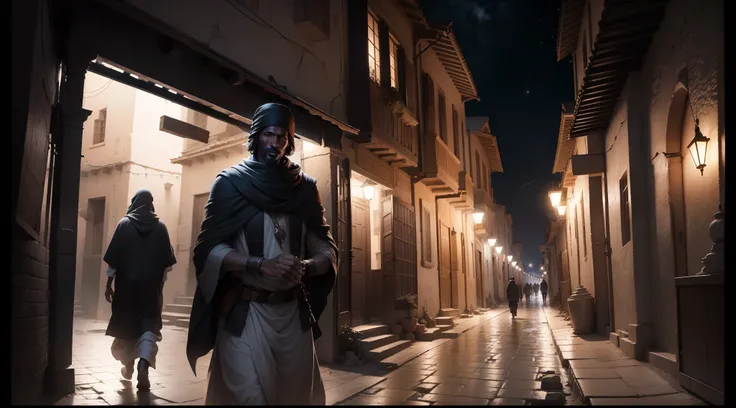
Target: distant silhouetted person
x=139, y=257
x=544, y=288
x=536, y=289
x=528, y=291
x=513, y=294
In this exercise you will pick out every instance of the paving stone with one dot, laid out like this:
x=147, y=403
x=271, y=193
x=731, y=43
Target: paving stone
x=507, y=401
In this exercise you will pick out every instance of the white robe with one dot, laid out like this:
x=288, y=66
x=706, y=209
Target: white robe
x=128, y=350
x=273, y=361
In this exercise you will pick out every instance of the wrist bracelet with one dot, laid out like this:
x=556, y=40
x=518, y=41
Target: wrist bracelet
x=254, y=264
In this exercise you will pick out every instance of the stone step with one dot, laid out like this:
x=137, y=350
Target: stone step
x=450, y=312
x=444, y=327
x=447, y=334
x=178, y=308
x=173, y=316
x=183, y=323
x=622, y=333
x=371, y=330
x=428, y=335
x=466, y=315
x=444, y=320
x=184, y=300
x=372, y=343
x=390, y=349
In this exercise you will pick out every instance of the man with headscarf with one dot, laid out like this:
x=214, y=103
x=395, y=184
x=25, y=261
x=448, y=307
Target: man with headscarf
x=139, y=257
x=265, y=263
x=512, y=295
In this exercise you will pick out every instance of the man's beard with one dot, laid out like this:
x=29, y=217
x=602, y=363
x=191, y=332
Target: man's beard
x=272, y=157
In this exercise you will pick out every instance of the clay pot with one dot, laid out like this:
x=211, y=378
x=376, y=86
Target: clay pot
x=421, y=329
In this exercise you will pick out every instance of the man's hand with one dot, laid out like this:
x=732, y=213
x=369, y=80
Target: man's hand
x=284, y=266
x=109, y=294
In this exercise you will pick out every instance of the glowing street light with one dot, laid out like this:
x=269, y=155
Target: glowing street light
x=499, y=249
x=478, y=217
x=368, y=188
x=491, y=241
x=510, y=257
x=554, y=197
x=698, y=148
x=561, y=209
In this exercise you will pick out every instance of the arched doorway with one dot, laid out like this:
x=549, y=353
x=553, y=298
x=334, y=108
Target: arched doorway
x=675, y=152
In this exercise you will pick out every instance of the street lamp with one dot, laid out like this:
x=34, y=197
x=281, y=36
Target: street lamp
x=499, y=249
x=698, y=148
x=491, y=241
x=530, y=265
x=513, y=264
x=369, y=188
x=554, y=197
x=561, y=209
x=510, y=257
x=478, y=217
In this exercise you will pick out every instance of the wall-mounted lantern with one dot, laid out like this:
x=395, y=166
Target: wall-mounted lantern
x=499, y=249
x=491, y=241
x=561, y=209
x=510, y=258
x=555, y=196
x=698, y=148
x=369, y=188
x=478, y=217
x=513, y=264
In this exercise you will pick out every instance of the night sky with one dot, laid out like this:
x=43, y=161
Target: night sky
x=510, y=48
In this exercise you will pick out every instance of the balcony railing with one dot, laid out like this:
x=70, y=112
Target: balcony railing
x=483, y=200
x=466, y=201
x=394, y=138
x=441, y=167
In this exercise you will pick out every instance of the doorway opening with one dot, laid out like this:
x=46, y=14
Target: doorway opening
x=367, y=286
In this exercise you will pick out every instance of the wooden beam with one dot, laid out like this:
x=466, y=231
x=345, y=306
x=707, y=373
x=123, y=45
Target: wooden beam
x=183, y=129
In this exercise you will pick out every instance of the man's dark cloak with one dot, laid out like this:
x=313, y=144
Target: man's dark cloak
x=237, y=196
x=140, y=251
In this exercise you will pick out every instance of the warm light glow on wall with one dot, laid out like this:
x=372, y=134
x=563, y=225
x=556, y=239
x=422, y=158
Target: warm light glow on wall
x=561, y=209
x=309, y=147
x=478, y=217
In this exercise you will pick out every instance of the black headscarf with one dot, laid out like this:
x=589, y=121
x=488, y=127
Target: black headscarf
x=271, y=114
x=141, y=212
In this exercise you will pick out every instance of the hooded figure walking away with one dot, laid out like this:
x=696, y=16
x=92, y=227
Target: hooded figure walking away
x=139, y=257
x=265, y=263
x=544, y=288
x=512, y=294
x=528, y=291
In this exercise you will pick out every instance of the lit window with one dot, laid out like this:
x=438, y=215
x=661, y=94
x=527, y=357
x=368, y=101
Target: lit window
x=392, y=64
x=374, y=56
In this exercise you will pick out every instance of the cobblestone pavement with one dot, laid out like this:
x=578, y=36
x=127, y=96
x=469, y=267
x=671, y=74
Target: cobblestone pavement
x=98, y=379
x=499, y=362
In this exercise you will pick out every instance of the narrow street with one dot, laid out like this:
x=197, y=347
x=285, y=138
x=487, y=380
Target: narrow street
x=501, y=361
